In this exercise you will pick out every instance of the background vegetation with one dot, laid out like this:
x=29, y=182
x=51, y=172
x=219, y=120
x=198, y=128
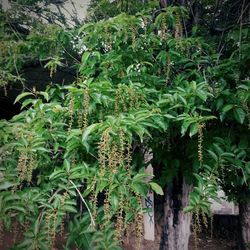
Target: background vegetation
x=169, y=76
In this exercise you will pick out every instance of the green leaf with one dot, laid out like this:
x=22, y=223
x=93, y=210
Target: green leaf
x=45, y=95
x=19, y=97
x=26, y=103
x=69, y=208
x=85, y=57
x=182, y=99
x=57, y=174
x=202, y=95
x=161, y=123
x=157, y=188
x=239, y=115
x=227, y=107
x=66, y=165
x=17, y=208
x=140, y=177
x=199, y=178
x=219, y=103
x=140, y=188
x=114, y=200
x=193, y=129
x=169, y=116
x=88, y=131
x=188, y=209
x=213, y=155
x=36, y=226
x=185, y=126
x=6, y=185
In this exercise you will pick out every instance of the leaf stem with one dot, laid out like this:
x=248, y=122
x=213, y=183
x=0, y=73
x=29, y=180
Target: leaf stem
x=78, y=191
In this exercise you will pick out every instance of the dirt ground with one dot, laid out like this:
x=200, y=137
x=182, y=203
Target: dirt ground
x=204, y=243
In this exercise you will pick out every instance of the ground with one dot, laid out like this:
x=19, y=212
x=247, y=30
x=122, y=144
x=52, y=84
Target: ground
x=204, y=243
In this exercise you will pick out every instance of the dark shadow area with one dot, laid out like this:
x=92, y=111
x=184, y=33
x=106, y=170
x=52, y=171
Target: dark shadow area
x=7, y=108
x=36, y=78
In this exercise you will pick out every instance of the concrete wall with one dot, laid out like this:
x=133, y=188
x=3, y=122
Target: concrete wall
x=69, y=8
x=224, y=207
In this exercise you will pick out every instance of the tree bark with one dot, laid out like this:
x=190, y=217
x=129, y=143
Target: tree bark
x=244, y=215
x=176, y=229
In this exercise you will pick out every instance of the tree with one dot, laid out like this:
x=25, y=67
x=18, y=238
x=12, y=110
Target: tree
x=162, y=78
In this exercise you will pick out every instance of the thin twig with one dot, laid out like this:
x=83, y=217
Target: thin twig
x=91, y=217
x=240, y=35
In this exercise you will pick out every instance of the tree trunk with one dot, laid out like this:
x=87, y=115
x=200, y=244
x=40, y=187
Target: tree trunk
x=176, y=228
x=244, y=214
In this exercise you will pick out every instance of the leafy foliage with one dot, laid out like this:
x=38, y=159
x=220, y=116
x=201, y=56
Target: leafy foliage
x=74, y=155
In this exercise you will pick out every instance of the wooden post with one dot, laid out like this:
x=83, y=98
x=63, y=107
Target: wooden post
x=148, y=202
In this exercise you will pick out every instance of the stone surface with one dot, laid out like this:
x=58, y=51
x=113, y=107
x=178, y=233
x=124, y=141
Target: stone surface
x=224, y=207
